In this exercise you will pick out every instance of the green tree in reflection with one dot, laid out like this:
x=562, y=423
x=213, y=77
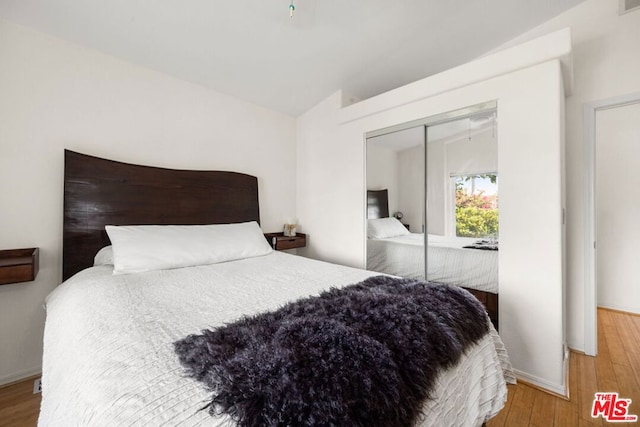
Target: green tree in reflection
x=476, y=212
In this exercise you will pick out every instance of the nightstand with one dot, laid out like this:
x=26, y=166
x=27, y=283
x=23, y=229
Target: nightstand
x=279, y=241
x=18, y=265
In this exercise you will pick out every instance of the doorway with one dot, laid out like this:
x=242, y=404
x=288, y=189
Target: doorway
x=612, y=154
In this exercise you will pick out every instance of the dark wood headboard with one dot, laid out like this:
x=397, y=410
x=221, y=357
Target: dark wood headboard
x=98, y=192
x=377, y=204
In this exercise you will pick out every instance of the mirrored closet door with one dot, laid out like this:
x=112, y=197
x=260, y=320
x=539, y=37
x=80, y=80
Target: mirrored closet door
x=432, y=201
x=396, y=203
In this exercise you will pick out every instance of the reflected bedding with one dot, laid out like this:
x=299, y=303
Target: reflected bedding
x=449, y=261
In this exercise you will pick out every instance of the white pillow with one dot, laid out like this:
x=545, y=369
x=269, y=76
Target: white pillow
x=143, y=248
x=104, y=256
x=382, y=228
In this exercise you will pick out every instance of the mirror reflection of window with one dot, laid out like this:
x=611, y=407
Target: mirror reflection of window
x=465, y=148
x=476, y=205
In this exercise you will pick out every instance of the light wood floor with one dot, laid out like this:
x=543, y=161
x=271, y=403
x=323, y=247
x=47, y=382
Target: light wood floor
x=18, y=405
x=617, y=368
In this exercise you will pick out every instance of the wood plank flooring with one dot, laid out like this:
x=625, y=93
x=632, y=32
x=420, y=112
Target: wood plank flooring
x=617, y=368
x=18, y=405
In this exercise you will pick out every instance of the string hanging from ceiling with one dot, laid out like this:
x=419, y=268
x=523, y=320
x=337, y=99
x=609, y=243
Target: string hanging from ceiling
x=292, y=9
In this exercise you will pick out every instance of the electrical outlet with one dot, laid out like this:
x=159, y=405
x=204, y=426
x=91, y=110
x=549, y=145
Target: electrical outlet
x=37, y=386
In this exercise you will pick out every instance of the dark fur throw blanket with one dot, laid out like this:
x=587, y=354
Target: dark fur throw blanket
x=363, y=355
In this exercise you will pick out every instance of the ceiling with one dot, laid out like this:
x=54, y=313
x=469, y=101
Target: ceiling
x=252, y=50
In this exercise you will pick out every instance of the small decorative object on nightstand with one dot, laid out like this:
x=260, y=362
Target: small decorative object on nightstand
x=18, y=265
x=290, y=226
x=289, y=230
x=279, y=241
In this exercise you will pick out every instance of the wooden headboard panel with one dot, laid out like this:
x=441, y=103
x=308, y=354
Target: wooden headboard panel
x=377, y=204
x=98, y=192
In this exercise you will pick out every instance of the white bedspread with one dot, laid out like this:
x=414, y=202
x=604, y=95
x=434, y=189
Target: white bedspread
x=109, y=360
x=448, y=261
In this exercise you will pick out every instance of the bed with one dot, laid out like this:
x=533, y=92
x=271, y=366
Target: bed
x=108, y=346
x=392, y=249
x=449, y=260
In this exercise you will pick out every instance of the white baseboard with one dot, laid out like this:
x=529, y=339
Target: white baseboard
x=17, y=376
x=633, y=310
x=542, y=383
x=577, y=349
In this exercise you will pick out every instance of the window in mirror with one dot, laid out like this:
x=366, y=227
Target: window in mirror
x=476, y=205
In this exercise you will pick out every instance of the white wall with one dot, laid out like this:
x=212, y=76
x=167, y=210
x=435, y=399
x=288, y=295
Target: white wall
x=411, y=187
x=56, y=95
x=606, y=64
x=437, y=181
x=530, y=168
x=331, y=182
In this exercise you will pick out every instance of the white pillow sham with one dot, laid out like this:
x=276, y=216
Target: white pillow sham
x=383, y=228
x=141, y=248
x=104, y=256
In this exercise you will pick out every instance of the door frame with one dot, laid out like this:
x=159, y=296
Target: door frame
x=590, y=264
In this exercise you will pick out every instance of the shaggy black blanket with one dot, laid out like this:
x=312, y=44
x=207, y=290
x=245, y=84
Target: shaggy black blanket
x=363, y=355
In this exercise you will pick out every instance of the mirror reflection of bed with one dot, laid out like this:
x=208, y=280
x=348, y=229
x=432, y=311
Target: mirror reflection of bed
x=458, y=187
